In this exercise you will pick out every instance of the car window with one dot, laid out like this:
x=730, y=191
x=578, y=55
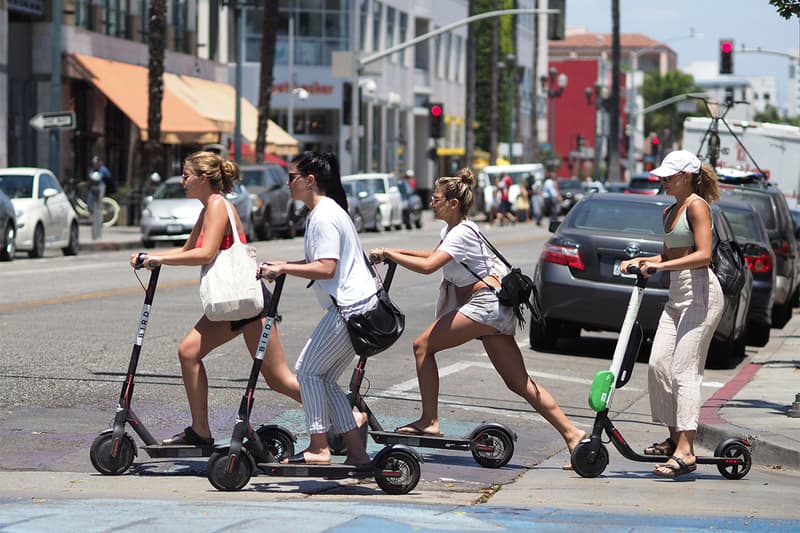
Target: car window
x=744, y=224
x=348, y=188
x=644, y=183
x=278, y=178
x=17, y=185
x=619, y=217
x=170, y=191
x=392, y=181
x=252, y=177
x=761, y=202
x=377, y=186
x=570, y=185
x=46, y=181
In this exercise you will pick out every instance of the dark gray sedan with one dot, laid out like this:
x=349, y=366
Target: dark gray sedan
x=581, y=286
x=364, y=207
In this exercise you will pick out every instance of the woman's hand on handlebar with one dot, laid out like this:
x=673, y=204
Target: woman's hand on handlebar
x=271, y=270
x=141, y=259
x=377, y=255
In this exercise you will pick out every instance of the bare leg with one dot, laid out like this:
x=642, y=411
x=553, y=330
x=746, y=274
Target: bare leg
x=204, y=337
x=684, y=450
x=274, y=368
x=507, y=360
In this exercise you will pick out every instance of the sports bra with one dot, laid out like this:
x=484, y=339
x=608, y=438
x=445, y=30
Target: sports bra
x=227, y=240
x=681, y=235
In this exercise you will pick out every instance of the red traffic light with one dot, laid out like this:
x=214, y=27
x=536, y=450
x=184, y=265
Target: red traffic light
x=436, y=110
x=726, y=47
x=655, y=140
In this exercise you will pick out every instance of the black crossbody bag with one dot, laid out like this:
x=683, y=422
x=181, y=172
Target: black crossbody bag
x=516, y=289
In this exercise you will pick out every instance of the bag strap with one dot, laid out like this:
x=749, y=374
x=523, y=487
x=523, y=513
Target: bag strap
x=491, y=247
x=236, y=238
x=375, y=276
x=481, y=236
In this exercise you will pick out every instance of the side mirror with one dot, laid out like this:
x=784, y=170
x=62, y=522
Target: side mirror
x=49, y=193
x=553, y=226
x=363, y=194
x=147, y=199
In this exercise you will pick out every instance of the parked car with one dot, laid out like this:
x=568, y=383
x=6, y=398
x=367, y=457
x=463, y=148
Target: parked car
x=796, y=216
x=579, y=281
x=753, y=238
x=273, y=207
x=169, y=216
x=615, y=186
x=384, y=187
x=364, y=208
x=45, y=217
x=644, y=184
x=771, y=204
x=8, y=229
x=572, y=190
x=412, y=205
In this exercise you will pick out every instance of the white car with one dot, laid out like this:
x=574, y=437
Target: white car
x=45, y=217
x=384, y=187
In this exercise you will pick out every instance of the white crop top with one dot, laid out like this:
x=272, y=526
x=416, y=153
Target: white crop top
x=462, y=244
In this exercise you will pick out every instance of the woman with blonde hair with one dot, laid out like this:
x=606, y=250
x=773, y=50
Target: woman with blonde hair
x=476, y=313
x=207, y=177
x=691, y=314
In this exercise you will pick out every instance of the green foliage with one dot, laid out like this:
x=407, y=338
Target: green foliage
x=657, y=88
x=786, y=8
x=484, y=71
x=770, y=114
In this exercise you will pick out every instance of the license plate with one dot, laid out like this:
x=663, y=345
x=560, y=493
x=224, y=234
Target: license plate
x=619, y=273
x=174, y=228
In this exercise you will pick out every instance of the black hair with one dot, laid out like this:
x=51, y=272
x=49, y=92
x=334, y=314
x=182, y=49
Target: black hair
x=325, y=168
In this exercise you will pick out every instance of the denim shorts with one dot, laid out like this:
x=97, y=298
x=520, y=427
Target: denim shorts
x=484, y=307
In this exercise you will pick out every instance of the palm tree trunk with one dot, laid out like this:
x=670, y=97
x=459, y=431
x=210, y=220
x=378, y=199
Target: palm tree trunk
x=469, y=132
x=494, y=95
x=613, y=111
x=268, y=35
x=156, y=41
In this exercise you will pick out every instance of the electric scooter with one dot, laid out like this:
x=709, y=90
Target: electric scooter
x=396, y=469
x=590, y=457
x=113, y=450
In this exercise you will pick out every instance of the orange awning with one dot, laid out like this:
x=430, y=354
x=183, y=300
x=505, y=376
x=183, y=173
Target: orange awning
x=126, y=86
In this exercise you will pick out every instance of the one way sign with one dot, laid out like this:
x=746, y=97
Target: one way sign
x=58, y=120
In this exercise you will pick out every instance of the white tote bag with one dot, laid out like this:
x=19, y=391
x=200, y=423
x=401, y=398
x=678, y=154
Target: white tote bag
x=229, y=289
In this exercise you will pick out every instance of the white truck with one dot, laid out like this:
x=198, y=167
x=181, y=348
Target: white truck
x=774, y=147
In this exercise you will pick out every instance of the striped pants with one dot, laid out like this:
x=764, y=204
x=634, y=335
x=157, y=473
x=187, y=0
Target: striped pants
x=680, y=347
x=325, y=356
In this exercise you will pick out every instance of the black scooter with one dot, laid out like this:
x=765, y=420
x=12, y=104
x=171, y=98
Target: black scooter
x=590, y=457
x=113, y=450
x=396, y=469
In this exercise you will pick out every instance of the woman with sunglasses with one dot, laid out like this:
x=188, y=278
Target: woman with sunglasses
x=343, y=284
x=692, y=312
x=468, y=309
x=207, y=177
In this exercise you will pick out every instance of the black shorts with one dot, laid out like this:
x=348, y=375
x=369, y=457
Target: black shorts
x=236, y=325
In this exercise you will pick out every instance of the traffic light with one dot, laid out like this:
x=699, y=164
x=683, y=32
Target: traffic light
x=654, y=148
x=726, y=56
x=435, y=120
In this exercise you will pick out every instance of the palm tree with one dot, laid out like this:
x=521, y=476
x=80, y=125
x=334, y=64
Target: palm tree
x=156, y=42
x=469, y=132
x=613, y=111
x=269, y=20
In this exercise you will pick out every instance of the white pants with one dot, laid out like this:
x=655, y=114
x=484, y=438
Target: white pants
x=325, y=356
x=680, y=347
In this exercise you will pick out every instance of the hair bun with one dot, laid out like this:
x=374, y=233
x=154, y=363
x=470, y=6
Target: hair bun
x=467, y=176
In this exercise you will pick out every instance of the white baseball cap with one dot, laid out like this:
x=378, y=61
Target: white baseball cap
x=409, y=172
x=677, y=161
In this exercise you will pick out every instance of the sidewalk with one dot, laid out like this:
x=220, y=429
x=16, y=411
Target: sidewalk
x=754, y=404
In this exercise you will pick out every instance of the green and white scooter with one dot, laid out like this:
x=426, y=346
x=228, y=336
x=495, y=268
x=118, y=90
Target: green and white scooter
x=590, y=457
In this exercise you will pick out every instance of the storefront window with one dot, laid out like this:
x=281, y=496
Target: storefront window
x=82, y=12
x=377, y=10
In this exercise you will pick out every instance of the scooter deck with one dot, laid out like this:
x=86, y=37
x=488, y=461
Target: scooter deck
x=421, y=440
x=329, y=471
x=160, y=451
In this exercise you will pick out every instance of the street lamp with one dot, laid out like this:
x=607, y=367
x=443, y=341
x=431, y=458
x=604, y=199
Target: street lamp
x=601, y=101
x=553, y=86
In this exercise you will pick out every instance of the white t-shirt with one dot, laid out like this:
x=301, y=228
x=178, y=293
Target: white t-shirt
x=330, y=234
x=464, y=245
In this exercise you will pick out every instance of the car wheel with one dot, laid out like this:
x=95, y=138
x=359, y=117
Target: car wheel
x=544, y=335
x=265, y=230
x=291, y=231
x=9, y=243
x=378, y=222
x=781, y=313
x=358, y=222
x=418, y=221
x=73, y=247
x=38, y=242
x=758, y=334
x=722, y=354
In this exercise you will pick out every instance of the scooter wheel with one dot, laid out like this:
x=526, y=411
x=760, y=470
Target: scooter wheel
x=101, y=454
x=276, y=441
x=397, y=473
x=221, y=478
x=583, y=465
x=492, y=447
x=740, y=457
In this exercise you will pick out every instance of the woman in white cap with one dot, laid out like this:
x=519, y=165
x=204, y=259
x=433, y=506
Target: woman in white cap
x=692, y=312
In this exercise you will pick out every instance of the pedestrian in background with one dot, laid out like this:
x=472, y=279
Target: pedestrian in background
x=470, y=311
x=409, y=177
x=551, y=199
x=344, y=286
x=690, y=316
x=99, y=179
x=207, y=177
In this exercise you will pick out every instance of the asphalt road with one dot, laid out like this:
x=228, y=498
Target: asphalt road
x=67, y=326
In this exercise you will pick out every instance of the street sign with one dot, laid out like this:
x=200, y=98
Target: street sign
x=57, y=120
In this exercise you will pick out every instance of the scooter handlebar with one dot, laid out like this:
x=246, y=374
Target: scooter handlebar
x=139, y=264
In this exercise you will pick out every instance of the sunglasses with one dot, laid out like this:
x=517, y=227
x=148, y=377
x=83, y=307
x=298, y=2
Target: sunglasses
x=294, y=175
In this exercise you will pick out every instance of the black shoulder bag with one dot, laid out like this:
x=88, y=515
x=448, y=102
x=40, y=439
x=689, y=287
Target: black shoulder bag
x=375, y=330
x=727, y=262
x=516, y=289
